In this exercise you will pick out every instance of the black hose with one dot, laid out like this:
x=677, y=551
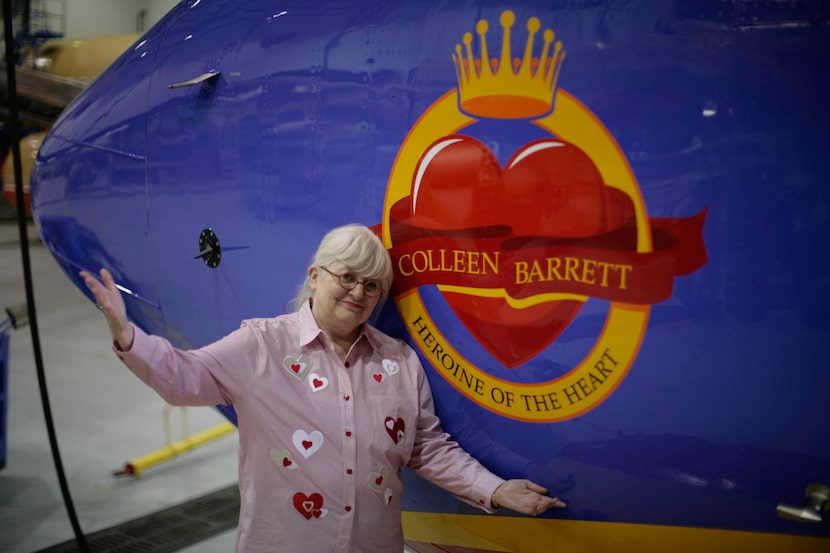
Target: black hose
x=8, y=17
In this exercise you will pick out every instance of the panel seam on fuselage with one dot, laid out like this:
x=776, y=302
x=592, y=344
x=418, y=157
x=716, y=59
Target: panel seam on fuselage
x=138, y=157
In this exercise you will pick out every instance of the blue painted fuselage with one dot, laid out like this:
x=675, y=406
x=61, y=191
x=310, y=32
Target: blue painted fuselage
x=717, y=109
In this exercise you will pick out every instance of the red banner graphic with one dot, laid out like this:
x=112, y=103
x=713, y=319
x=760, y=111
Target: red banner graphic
x=604, y=266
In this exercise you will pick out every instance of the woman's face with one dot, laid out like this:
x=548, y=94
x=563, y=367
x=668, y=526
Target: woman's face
x=338, y=311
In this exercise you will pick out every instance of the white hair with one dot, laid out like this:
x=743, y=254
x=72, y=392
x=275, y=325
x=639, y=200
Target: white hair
x=360, y=250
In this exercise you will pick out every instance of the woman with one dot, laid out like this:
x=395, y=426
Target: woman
x=330, y=409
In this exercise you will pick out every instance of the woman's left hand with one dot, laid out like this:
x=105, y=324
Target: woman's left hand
x=524, y=496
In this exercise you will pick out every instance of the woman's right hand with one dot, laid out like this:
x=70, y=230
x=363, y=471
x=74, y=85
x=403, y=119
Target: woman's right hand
x=109, y=300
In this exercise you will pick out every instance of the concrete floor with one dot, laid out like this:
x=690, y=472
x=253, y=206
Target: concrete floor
x=104, y=417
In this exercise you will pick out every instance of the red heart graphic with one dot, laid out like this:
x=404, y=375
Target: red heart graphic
x=377, y=377
x=548, y=188
x=286, y=462
x=395, y=428
x=379, y=480
x=317, y=382
x=307, y=505
x=307, y=444
x=296, y=367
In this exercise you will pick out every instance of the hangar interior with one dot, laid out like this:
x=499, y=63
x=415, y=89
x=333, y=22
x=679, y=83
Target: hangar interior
x=104, y=419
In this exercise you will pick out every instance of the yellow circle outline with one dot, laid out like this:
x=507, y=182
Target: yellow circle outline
x=625, y=325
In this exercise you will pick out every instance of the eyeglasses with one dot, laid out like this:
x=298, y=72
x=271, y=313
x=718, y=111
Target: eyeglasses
x=348, y=281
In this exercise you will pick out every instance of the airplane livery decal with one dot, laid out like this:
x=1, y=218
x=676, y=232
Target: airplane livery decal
x=516, y=248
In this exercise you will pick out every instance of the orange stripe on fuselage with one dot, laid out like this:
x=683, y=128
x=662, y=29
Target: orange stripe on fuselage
x=490, y=534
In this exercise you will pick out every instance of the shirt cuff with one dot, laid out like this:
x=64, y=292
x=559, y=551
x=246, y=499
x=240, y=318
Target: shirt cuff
x=116, y=347
x=487, y=488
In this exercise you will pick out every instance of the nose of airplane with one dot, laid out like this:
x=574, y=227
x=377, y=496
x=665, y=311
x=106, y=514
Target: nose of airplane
x=88, y=181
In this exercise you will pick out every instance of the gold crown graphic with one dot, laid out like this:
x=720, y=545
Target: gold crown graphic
x=503, y=90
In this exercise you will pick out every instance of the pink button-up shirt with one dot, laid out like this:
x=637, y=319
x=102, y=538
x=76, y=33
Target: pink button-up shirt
x=322, y=441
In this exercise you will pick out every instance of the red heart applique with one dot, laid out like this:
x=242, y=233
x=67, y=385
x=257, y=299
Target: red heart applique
x=307, y=444
x=395, y=428
x=549, y=188
x=296, y=367
x=378, y=377
x=308, y=505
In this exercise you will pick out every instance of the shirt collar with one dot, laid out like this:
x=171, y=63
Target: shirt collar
x=309, y=329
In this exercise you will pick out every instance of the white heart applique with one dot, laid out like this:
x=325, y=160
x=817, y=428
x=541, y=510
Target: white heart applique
x=282, y=459
x=297, y=367
x=317, y=382
x=378, y=479
x=391, y=367
x=307, y=443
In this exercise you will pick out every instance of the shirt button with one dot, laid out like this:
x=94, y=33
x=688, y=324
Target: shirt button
x=346, y=397
x=348, y=364
x=348, y=471
x=348, y=508
x=348, y=433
